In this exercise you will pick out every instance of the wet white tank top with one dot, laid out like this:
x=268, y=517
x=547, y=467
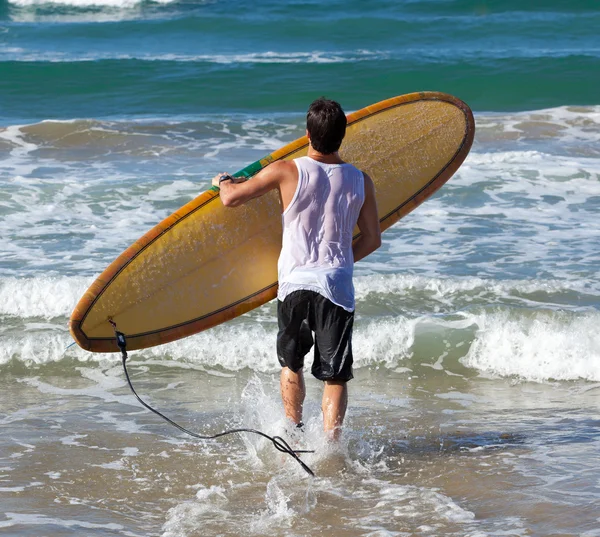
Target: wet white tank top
x=316, y=252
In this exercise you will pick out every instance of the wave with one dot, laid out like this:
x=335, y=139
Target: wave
x=55, y=297
x=570, y=124
x=537, y=347
x=19, y=54
x=267, y=57
x=71, y=88
x=45, y=297
x=530, y=345
x=507, y=329
x=88, y=3
x=462, y=11
x=462, y=6
x=148, y=138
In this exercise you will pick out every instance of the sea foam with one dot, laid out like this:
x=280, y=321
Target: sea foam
x=537, y=347
x=85, y=3
x=506, y=342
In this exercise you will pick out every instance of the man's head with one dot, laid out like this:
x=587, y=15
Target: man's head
x=326, y=125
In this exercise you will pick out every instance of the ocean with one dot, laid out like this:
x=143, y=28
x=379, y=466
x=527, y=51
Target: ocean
x=475, y=407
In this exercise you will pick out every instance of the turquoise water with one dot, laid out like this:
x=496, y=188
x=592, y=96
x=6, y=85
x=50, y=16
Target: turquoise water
x=181, y=58
x=474, y=409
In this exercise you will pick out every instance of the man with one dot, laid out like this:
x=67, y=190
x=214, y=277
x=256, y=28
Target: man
x=322, y=200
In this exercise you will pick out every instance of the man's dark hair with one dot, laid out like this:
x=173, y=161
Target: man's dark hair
x=326, y=124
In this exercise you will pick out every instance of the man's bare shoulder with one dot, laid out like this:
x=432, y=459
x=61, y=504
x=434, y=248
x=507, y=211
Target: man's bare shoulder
x=282, y=166
x=368, y=181
x=281, y=172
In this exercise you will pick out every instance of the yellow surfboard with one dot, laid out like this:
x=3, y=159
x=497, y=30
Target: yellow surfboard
x=206, y=264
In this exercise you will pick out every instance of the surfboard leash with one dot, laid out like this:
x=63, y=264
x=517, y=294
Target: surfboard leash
x=279, y=443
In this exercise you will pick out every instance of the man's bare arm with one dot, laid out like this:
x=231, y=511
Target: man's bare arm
x=368, y=223
x=234, y=193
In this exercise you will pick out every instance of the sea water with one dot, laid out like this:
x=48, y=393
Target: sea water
x=475, y=404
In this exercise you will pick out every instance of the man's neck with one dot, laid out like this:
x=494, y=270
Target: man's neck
x=330, y=158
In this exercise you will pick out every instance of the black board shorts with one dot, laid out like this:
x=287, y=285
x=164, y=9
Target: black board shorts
x=303, y=313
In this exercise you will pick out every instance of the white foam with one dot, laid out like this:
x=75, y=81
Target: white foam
x=464, y=399
x=15, y=137
x=549, y=345
x=42, y=296
x=532, y=344
x=114, y=465
x=25, y=519
x=98, y=390
x=504, y=215
x=85, y=3
x=568, y=123
x=276, y=57
x=123, y=9
x=231, y=347
x=551, y=167
x=72, y=440
x=449, y=290
x=410, y=501
x=39, y=348
x=117, y=421
x=214, y=490
x=267, y=57
x=384, y=341
x=22, y=414
x=380, y=507
x=183, y=519
x=278, y=514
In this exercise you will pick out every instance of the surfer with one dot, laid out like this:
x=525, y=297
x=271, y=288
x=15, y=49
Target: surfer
x=323, y=198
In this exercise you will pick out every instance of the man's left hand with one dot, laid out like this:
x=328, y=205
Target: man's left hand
x=216, y=179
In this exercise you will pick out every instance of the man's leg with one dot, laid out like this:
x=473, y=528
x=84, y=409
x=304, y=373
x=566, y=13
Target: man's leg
x=333, y=361
x=293, y=392
x=335, y=402
x=294, y=340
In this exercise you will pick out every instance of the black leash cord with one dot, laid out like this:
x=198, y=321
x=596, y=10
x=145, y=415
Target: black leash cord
x=279, y=443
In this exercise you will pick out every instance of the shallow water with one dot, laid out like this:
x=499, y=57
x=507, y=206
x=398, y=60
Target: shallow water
x=425, y=452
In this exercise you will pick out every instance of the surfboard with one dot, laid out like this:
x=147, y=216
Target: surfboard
x=206, y=264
